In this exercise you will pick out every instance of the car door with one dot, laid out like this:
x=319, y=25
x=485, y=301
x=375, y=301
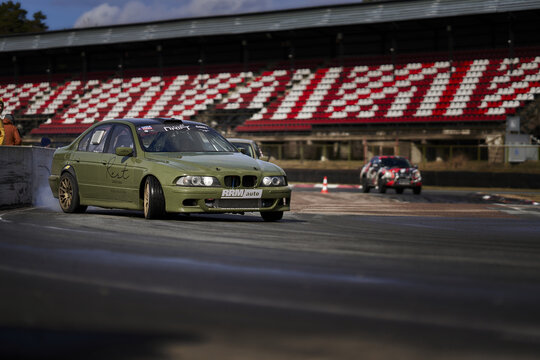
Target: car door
x=122, y=173
x=88, y=163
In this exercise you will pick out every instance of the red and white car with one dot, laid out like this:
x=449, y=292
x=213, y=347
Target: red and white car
x=396, y=172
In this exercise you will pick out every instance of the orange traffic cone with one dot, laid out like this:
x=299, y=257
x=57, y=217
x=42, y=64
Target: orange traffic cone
x=324, y=186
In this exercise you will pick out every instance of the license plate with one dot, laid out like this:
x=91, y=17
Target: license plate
x=404, y=182
x=241, y=194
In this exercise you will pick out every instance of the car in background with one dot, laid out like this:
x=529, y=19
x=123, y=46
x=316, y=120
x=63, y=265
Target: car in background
x=383, y=172
x=164, y=166
x=248, y=147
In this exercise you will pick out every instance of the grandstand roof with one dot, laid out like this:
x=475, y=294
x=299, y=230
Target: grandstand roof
x=328, y=16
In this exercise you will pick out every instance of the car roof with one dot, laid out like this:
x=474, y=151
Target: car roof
x=154, y=121
x=389, y=157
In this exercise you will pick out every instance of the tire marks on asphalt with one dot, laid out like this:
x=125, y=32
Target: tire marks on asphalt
x=364, y=204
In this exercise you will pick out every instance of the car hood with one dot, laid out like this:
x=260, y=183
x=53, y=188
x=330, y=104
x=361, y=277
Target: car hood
x=213, y=162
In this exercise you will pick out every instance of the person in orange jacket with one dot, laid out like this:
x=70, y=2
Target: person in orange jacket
x=11, y=136
x=1, y=122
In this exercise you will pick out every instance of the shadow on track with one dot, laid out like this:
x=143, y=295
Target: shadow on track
x=17, y=343
x=249, y=217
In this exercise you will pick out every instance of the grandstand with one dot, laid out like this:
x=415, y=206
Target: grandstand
x=343, y=79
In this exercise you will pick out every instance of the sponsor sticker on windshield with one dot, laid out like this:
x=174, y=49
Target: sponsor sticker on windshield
x=146, y=128
x=241, y=194
x=176, y=127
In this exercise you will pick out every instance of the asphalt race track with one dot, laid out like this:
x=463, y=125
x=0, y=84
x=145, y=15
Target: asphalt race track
x=346, y=275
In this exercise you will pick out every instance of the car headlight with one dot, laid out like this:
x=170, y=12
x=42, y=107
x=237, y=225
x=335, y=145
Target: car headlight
x=274, y=181
x=388, y=174
x=416, y=175
x=207, y=181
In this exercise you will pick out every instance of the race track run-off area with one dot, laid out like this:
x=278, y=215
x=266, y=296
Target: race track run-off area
x=344, y=275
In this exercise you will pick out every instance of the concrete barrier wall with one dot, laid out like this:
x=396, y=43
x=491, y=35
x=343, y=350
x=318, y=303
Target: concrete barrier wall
x=317, y=176
x=433, y=178
x=24, y=173
x=482, y=179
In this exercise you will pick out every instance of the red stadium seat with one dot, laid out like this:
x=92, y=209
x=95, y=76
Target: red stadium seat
x=484, y=86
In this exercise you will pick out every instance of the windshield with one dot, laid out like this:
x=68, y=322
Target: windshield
x=395, y=163
x=179, y=137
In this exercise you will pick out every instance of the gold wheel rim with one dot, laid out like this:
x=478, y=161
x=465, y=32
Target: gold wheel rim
x=146, y=198
x=65, y=193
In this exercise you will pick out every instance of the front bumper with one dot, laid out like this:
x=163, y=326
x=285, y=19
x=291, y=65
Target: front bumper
x=403, y=183
x=180, y=199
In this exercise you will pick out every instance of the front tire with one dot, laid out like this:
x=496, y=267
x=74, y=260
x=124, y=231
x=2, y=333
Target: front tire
x=154, y=200
x=417, y=190
x=68, y=195
x=365, y=186
x=382, y=187
x=272, y=215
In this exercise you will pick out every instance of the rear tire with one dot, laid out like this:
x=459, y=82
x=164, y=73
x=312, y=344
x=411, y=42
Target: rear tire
x=272, y=215
x=68, y=194
x=417, y=190
x=153, y=201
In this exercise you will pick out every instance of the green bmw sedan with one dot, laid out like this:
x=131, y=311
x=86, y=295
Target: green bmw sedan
x=164, y=166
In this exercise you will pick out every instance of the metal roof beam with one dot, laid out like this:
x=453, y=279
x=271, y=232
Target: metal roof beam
x=320, y=17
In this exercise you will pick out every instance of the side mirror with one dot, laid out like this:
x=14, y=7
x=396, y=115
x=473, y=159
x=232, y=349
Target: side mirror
x=124, y=151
